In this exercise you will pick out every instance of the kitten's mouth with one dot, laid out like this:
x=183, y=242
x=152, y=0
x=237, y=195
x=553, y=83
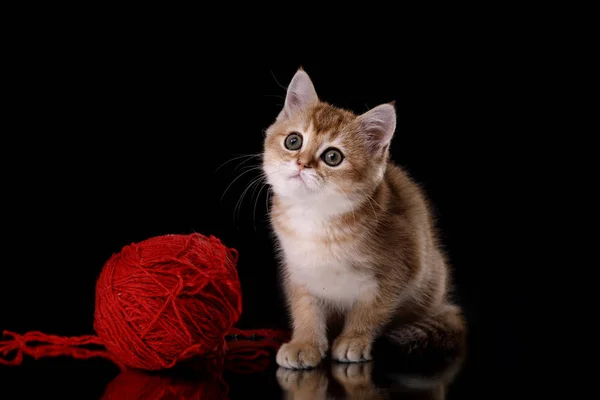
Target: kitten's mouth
x=297, y=177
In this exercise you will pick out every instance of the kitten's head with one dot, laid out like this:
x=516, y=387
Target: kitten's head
x=315, y=151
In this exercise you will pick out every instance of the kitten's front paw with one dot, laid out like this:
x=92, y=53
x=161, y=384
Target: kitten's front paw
x=351, y=349
x=299, y=355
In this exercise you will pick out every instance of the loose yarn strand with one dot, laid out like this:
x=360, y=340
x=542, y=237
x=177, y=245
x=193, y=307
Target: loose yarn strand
x=37, y=345
x=240, y=350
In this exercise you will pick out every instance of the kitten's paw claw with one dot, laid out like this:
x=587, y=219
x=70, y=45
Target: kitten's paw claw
x=351, y=349
x=299, y=355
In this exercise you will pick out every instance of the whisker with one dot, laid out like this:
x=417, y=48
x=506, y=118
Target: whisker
x=277, y=82
x=370, y=198
x=248, y=156
x=238, y=177
x=241, y=199
x=243, y=162
x=256, y=202
x=348, y=199
x=370, y=203
x=251, y=187
x=251, y=167
x=267, y=200
x=372, y=208
x=275, y=95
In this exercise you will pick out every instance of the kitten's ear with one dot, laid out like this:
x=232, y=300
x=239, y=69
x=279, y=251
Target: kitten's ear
x=379, y=124
x=300, y=94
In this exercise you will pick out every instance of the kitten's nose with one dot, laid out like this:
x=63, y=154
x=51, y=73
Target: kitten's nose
x=303, y=163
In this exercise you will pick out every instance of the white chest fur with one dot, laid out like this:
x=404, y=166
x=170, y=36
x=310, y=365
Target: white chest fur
x=327, y=270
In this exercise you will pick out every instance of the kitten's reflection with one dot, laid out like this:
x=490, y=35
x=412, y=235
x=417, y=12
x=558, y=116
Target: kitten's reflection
x=370, y=380
x=303, y=384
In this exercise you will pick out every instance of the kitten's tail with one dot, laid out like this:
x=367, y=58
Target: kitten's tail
x=444, y=331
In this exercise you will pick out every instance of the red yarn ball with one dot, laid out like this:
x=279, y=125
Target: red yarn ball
x=167, y=299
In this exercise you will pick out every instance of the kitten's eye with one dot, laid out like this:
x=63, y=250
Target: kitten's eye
x=332, y=157
x=293, y=141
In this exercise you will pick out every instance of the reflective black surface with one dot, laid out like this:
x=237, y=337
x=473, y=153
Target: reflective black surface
x=110, y=139
x=392, y=374
x=388, y=376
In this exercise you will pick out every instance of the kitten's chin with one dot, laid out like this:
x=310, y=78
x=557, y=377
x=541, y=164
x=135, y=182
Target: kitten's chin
x=293, y=187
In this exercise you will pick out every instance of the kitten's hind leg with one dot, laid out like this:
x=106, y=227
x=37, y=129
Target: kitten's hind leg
x=443, y=331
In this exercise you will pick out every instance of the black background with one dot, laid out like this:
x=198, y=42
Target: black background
x=112, y=140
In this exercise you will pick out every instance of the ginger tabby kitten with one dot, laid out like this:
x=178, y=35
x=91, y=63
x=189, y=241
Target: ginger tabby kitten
x=355, y=234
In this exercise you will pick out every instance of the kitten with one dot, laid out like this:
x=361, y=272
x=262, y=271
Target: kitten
x=354, y=232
